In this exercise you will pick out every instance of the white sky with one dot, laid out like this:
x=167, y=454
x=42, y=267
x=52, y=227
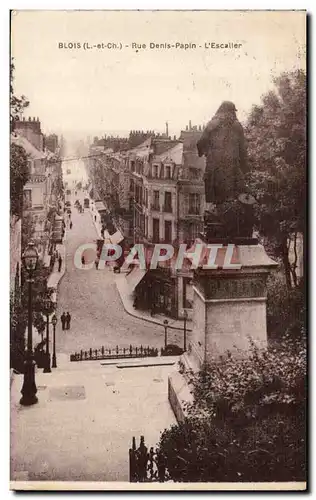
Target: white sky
x=100, y=91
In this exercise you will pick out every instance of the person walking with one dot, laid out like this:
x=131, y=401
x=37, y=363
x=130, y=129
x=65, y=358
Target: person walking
x=68, y=319
x=63, y=320
x=70, y=225
x=83, y=261
x=60, y=261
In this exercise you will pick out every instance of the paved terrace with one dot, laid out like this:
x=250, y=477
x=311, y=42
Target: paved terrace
x=82, y=426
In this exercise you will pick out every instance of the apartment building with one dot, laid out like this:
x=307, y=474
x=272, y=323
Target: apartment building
x=155, y=193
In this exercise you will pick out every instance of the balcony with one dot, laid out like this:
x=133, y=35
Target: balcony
x=167, y=208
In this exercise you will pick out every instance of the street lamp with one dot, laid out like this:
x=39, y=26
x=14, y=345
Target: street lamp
x=47, y=368
x=29, y=389
x=166, y=326
x=54, y=323
x=185, y=318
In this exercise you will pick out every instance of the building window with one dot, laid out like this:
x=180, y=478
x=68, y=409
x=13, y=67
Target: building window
x=194, y=203
x=168, y=172
x=168, y=202
x=132, y=166
x=162, y=172
x=156, y=230
x=156, y=201
x=155, y=171
x=168, y=231
x=27, y=198
x=132, y=186
x=193, y=231
x=193, y=173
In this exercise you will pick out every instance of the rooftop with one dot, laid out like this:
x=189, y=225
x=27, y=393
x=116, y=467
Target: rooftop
x=31, y=150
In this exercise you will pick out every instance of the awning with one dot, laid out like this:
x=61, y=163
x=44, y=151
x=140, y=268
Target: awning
x=134, y=278
x=57, y=236
x=100, y=207
x=116, y=238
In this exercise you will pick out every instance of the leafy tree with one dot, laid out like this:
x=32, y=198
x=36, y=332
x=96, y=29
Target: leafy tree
x=17, y=104
x=19, y=174
x=276, y=133
x=247, y=421
x=42, y=303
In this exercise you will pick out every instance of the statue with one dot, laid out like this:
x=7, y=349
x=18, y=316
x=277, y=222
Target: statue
x=223, y=145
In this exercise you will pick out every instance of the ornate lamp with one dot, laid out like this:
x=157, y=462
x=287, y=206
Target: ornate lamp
x=29, y=389
x=54, y=323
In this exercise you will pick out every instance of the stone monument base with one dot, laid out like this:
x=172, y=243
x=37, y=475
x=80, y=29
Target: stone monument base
x=229, y=311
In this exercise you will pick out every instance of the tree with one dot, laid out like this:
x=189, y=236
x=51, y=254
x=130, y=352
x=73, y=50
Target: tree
x=247, y=421
x=17, y=104
x=276, y=133
x=19, y=172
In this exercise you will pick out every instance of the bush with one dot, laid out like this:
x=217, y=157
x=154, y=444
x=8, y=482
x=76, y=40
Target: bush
x=286, y=308
x=247, y=422
x=171, y=350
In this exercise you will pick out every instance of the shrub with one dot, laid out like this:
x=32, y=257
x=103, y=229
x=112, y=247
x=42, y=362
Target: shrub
x=286, y=308
x=247, y=422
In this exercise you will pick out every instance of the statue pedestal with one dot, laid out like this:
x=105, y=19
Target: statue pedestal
x=229, y=308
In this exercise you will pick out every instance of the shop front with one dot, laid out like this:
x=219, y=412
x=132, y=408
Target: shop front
x=155, y=292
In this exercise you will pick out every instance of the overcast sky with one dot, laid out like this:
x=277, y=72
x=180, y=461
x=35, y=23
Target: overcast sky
x=95, y=91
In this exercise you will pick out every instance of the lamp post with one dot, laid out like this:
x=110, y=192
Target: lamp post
x=47, y=368
x=29, y=389
x=54, y=323
x=185, y=318
x=166, y=326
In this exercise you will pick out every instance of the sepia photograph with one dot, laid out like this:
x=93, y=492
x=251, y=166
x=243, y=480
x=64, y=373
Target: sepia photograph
x=158, y=201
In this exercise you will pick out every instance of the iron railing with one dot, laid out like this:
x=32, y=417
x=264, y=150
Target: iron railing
x=146, y=466
x=116, y=353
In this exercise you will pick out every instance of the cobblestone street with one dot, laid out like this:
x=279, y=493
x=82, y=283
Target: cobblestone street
x=91, y=297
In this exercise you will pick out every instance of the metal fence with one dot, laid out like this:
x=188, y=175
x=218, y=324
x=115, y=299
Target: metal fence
x=116, y=353
x=146, y=466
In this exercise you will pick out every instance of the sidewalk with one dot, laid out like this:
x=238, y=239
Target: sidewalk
x=56, y=276
x=82, y=426
x=127, y=299
x=158, y=319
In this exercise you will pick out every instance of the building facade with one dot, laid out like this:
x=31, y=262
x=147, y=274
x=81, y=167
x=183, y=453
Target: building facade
x=154, y=192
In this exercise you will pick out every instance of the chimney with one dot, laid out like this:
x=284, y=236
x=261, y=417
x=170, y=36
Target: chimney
x=34, y=119
x=29, y=119
x=167, y=131
x=200, y=127
x=174, y=138
x=190, y=125
x=186, y=128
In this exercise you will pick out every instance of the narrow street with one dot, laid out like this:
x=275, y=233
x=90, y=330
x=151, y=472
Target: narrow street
x=91, y=297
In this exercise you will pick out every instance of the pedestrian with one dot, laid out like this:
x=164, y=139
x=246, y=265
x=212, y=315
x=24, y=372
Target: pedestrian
x=60, y=261
x=83, y=260
x=70, y=225
x=97, y=263
x=63, y=320
x=69, y=215
x=68, y=319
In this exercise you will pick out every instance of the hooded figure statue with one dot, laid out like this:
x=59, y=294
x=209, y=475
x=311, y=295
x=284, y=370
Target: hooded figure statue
x=223, y=144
